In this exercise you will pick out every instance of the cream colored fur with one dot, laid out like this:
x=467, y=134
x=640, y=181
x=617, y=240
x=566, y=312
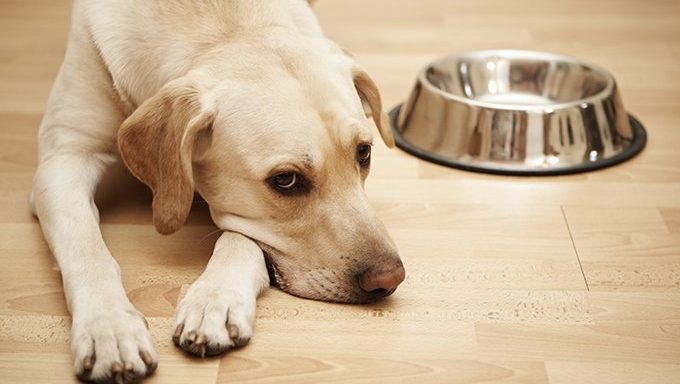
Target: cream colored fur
x=214, y=97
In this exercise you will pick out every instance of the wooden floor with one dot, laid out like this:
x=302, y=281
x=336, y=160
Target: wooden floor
x=558, y=280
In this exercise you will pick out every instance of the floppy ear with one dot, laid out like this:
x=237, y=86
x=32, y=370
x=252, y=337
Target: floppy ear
x=370, y=99
x=157, y=143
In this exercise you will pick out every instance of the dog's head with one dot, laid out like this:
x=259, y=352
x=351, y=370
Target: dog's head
x=281, y=154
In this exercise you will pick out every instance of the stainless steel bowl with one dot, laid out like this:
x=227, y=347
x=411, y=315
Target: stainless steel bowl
x=517, y=112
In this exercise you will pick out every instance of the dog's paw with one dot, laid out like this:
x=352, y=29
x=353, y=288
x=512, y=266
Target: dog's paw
x=113, y=346
x=212, y=320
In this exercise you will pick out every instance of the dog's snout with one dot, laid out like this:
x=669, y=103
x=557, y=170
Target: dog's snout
x=382, y=279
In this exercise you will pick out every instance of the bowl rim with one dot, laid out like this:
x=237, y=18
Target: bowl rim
x=636, y=146
x=608, y=90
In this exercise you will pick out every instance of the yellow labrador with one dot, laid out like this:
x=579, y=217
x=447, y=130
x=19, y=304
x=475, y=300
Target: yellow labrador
x=245, y=102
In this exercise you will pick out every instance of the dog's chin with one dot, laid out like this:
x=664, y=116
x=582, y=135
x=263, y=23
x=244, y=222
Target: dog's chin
x=277, y=279
x=337, y=297
x=353, y=294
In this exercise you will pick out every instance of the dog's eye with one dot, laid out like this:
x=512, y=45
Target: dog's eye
x=286, y=181
x=364, y=154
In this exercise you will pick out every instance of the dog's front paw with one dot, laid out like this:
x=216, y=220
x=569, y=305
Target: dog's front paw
x=112, y=345
x=212, y=320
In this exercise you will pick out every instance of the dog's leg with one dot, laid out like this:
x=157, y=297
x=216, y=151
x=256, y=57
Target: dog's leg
x=110, y=340
x=218, y=310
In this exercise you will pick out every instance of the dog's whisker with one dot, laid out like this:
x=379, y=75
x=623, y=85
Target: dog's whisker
x=208, y=235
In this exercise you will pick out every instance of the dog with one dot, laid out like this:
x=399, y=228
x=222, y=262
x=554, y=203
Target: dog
x=243, y=102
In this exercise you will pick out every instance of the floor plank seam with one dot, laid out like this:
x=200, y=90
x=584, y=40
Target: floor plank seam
x=573, y=244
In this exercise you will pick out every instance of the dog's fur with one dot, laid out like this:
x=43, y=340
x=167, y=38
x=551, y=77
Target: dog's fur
x=217, y=97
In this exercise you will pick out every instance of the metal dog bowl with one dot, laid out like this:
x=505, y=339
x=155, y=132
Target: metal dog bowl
x=518, y=113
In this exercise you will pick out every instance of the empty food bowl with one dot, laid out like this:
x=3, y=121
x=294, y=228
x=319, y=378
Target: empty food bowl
x=518, y=113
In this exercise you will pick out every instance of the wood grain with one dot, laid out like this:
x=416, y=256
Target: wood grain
x=572, y=279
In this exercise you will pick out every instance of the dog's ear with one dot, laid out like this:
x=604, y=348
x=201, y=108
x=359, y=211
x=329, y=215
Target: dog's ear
x=157, y=144
x=372, y=103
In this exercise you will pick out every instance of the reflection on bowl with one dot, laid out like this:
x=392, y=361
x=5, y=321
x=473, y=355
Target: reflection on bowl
x=517, y=112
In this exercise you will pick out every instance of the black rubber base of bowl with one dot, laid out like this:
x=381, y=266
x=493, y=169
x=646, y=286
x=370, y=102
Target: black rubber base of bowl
x=639, y=141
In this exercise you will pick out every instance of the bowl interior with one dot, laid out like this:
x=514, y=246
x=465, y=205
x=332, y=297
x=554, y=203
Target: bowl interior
x=518, y=80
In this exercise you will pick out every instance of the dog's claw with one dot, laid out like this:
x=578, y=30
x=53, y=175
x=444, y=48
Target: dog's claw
x=233, y=332
x=178, y=333
x=88, y=363
x=200, y=340
x=129, y=375
x=191, y=337
x=200, y=344
x=148, y=361
x=117, y=371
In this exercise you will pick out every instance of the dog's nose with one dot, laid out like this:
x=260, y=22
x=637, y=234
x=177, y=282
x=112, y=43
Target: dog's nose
x=382, y=280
